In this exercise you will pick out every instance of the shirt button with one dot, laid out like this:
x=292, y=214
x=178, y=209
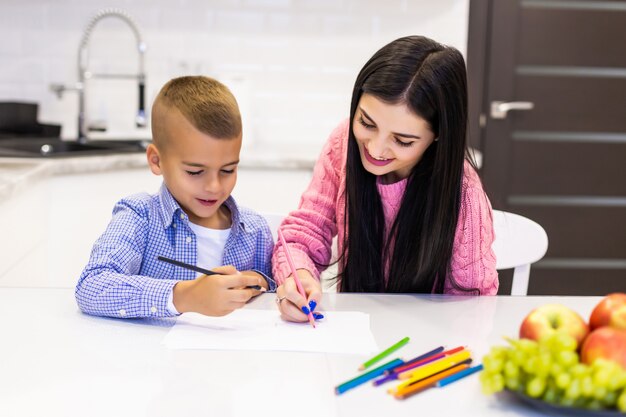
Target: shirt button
x=182, y=216
x=122, y=312
x=174, y=225
x=188, y=239
x=153, y=309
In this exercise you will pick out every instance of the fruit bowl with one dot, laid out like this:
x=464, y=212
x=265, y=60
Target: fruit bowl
x=556, y=409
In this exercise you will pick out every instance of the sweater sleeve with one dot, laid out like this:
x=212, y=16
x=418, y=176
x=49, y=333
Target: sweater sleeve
x=310, y=229
x=473, y=260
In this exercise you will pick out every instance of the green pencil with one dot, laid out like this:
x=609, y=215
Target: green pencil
x=384, y=353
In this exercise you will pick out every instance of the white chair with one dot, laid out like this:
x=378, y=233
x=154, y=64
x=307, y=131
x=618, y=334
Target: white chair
x=519, y=242
x=274, y=220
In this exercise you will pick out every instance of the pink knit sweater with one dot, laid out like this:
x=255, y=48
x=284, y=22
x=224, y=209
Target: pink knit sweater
x=310, y=229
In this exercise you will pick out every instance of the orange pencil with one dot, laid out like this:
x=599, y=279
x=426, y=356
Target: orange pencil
x=428, y=382
x=294, y=272
x=426, y=371
x=435, y=366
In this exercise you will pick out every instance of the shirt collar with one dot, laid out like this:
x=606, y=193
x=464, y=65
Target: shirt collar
x=171, y=209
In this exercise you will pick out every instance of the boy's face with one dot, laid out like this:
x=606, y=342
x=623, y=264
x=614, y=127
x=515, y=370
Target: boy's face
x=199, y=170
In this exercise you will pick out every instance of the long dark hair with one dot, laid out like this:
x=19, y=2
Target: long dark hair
x=430, y=79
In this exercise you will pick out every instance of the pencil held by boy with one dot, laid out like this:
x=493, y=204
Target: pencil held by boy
x=197, y=134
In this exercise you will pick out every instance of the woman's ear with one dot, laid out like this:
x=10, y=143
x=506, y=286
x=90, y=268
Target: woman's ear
x=154, y=159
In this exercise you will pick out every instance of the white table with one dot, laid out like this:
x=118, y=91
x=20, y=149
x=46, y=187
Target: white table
x=56, y=361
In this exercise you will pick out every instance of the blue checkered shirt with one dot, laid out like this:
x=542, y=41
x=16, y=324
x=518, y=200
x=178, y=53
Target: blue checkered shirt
x=124, y=278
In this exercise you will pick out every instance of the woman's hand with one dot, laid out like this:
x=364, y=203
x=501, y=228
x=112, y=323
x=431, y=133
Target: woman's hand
x=294, y=307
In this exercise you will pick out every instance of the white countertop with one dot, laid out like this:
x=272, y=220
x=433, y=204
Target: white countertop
x=56, y=361
x=18, y=173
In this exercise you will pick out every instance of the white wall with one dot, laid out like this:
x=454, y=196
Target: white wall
x=50, y=227
x=291, y=63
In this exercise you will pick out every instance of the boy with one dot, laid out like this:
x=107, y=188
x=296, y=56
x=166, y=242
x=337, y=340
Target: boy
x=196, y=129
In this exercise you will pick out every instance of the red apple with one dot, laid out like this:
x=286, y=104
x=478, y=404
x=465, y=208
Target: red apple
x=611, y=311
x=550, y=318
x=607, y=343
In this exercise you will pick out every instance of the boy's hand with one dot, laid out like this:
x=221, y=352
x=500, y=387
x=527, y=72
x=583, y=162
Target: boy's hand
x=264, y=285
x=294, y=307
x=216, y=295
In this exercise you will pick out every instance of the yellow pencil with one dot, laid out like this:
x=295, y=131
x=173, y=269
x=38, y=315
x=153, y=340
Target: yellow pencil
x=428, y=382
x=427, y=370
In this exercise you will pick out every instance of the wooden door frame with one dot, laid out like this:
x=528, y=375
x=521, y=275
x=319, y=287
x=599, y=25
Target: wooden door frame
x=477, y=42
x=482, y=85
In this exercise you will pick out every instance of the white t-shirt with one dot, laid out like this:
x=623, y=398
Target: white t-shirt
x=210, y=247
x=211, y=244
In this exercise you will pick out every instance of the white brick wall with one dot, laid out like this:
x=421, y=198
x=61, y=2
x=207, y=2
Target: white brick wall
x=291, y=63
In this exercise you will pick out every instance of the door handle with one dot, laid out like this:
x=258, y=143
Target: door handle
x=499, y=109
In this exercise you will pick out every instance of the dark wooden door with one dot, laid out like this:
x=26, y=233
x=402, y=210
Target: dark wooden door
x=561, y=163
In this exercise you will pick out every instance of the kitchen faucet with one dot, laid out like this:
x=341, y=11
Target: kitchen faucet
x=84, y=74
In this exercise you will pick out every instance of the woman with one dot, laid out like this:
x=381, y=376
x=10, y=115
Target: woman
x=394, y=184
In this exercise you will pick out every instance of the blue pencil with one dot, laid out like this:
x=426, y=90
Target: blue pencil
x=453, y=378
x=340, y=389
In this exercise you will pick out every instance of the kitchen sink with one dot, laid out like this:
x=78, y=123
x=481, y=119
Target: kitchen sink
x=24, y=147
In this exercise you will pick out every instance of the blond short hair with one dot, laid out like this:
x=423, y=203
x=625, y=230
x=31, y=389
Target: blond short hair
x=205, y=102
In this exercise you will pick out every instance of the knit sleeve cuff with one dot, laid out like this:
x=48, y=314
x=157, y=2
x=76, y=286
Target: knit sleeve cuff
x=301, y=261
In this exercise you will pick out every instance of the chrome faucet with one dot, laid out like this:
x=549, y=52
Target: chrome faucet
x=84, y=73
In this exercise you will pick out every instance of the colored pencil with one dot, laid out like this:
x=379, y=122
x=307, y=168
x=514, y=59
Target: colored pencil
x=384, y=353
x=392, y=374
x=417, y=359
x=197, y=269
x=294, y=272
x=425, y=371
x=354, y=382
x=409, y=365
x=453, y=378
x=429, y=381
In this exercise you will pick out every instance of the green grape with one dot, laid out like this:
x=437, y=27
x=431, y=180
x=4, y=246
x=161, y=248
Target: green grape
x=511, y=370
x=531, y=365
x=500, y=352
x=491, y=383
x=563, y=381
x=512, y=384
x=551, y=394
x=485, y=382
x=498, y=382
x=599, y=392
x=621, y=402
x=567, y=358
x=493, y=364
x=544, y=363
x=573, y=391
x=518, y=357
x=556, y=369
x=579, y=370
x=564, y=342
x=528, y=346
x=551, y=371
x=617, y=380
x=586, y=386
x=601, y=377
x=536, y=387
x=610, y=399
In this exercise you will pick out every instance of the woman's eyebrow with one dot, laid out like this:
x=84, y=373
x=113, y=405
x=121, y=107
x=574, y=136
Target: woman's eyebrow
x=402, y=135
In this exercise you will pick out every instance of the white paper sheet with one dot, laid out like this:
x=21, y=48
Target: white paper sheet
x=338, y=332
